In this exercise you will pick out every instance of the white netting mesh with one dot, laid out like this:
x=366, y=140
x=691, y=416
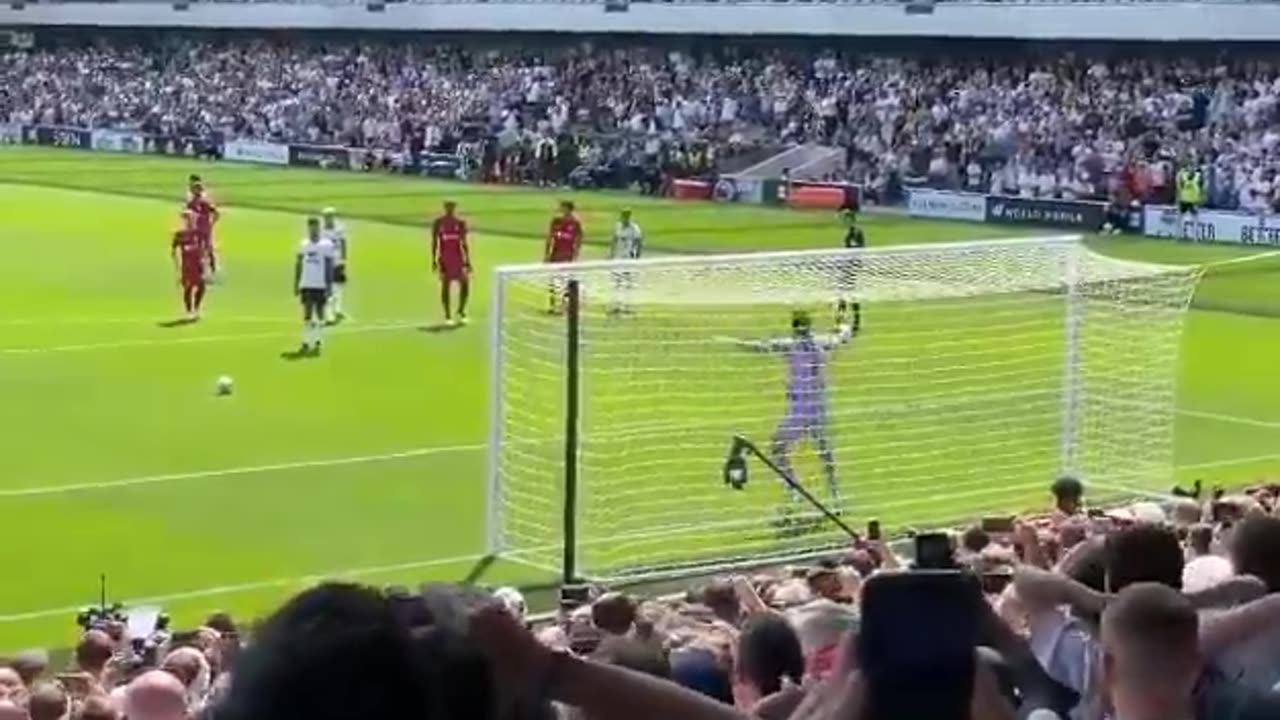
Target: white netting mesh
x=980, y=371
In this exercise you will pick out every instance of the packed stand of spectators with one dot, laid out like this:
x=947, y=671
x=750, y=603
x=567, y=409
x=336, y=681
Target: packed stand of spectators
x=1161, y=610
x=1070, y=128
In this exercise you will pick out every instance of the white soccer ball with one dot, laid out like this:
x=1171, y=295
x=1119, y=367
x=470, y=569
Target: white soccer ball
x=225, y=385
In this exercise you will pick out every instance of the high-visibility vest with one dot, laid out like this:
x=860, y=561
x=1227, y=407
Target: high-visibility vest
x=1189, y=186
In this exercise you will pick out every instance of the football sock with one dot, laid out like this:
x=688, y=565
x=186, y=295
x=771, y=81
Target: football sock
x=464, y=291
x=199, y=298
x=444, y=301
x=186, y=298
x=336, y=300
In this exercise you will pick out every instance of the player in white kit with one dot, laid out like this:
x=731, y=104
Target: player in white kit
x=628, y=243
x=312, y=283
x=335, y=232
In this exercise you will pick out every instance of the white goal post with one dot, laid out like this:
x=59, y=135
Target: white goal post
x=972, y=375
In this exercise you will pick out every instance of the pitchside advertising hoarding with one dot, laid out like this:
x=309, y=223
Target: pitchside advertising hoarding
x=117, y=141
x=320, y=156
x=946, y=205
x=56, y=135
x=256, y=152
x=1077, y=214
x=1212, y=226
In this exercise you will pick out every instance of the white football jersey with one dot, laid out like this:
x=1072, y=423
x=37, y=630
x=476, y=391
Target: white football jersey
x=313, y=256
x=627, y=241
x=338, y=236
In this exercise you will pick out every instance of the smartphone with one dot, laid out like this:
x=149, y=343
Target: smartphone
x=873, y=530
x=998, y=524
x=934, y=552
x=574, y=596
x=917, y=635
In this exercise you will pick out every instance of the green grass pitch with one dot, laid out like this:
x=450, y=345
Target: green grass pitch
x=117, y=457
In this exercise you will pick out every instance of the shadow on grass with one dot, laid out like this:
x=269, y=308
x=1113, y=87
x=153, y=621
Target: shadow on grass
x=176, y=322
x=439, y=328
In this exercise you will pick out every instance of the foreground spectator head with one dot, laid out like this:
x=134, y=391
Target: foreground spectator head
x=974, y=540
x=720, y=596
x=1200, y=539
x=97, y=707
x=1151, y=658
x=191, y=669
x=1068, y=494
x=30, y=665
x=697, y=669
x=155, y=695
x=222, y=622
x=820, y=626
x=768, y=650
x=93, y=652
x=1255, y=549
x=1143, y=553
x=511, y=598
x=344, y=651
x=47, y=702
x=614, y=613
x=11, y=685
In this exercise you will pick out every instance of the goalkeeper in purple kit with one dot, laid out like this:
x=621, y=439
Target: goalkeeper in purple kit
x=806, y=413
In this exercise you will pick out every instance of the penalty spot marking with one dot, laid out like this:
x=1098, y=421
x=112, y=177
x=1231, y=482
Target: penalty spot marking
x=246, y=470
x=250, y=586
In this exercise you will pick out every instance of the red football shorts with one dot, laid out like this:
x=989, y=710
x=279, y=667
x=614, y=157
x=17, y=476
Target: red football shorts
x=192, y=279
x=452, y=269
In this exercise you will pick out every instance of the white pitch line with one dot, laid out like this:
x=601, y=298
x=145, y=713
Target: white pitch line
x=1254, y=422
x=250, y=586
x=227, y=472
x=198, y=339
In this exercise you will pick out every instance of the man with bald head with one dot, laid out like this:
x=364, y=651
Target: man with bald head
x=47, y=702
x=93, y=652
x=1151, y=655
x=155, y=695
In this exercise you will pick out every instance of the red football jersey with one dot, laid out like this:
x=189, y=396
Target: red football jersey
x=204, y=211
x=450, y=238
x=190, y=253
x=565, y=237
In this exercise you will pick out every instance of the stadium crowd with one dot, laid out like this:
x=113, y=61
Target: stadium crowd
x=1070, y=127
x=1156, y=611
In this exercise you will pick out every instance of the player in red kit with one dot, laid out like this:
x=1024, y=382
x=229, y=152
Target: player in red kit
x=564, y=240
x=188, y=259
x=205, y=215
x=451, y=260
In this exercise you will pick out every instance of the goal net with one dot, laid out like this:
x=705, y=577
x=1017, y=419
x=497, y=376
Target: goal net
x=974, y=375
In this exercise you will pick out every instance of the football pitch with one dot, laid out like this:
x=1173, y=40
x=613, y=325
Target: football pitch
x=117, y=457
